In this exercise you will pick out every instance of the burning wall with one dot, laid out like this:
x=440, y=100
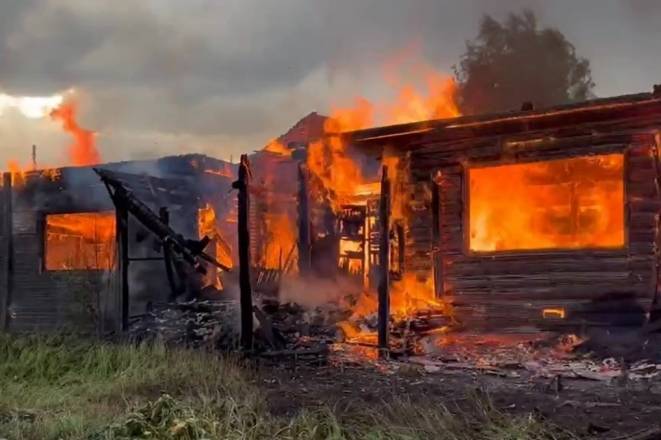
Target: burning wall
x=534, y=215
x=62, y=229
x=347, y=179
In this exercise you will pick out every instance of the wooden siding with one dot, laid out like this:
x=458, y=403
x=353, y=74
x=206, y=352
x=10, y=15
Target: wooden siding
x=499, y=288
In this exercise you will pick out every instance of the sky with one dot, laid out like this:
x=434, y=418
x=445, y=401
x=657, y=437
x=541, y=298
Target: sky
x=222, y=77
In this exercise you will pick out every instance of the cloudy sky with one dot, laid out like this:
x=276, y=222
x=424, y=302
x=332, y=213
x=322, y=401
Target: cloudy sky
x=222, y=77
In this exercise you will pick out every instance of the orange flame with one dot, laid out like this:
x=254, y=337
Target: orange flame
x=280, y=241
x=208, y=227
x=568, y=203
x=276, y=147
x=81, y=241
x=329, y=159
x=436, y=100
x=19, y=173
x=83, y=150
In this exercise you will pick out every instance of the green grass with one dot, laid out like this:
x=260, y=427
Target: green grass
x=63, y=388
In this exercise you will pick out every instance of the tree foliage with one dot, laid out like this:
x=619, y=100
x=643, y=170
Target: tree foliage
x=515, y=61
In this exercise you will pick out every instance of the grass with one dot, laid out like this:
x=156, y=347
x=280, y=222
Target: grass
x=63, y=388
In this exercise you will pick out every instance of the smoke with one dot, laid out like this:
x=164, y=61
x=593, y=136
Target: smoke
x=224, y=77
x=316, y=292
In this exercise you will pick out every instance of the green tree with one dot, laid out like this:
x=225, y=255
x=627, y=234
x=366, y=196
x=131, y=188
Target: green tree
x=515, y=61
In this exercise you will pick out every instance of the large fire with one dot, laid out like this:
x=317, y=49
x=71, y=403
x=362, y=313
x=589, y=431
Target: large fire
x=80, y=241
x=276, y=147
x=208, y=227
x=343, y=182
x=566, y=204
x=330, y=159
x=280, y=248
x=83, y=150
x=406, y=296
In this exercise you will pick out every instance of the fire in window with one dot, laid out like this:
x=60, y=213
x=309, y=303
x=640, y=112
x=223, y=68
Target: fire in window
x=80, y=241
x=560, y=204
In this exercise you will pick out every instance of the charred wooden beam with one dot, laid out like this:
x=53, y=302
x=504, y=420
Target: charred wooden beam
x=384, y=264
x=175, y=290
x=192, y=251
x=304, y=242
x=122, y=228
x=437, y=254
x=242, y=184
x=6, y=271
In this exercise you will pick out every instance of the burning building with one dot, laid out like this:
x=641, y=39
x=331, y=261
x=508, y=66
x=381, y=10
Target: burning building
x=519, y=219
x=274, y=210
x=533, y=218
x=60, y=233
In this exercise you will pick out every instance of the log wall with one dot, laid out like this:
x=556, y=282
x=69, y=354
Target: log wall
x=44, y=300
x=81, y=300
x=511, y=288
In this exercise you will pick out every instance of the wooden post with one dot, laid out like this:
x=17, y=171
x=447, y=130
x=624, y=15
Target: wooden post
x=437, y=254
x=242, y=184
x=384, y=265
x=7, y=249
x=655, y=309
x=304, y=242
x=401, y=248
x=164, y=215
x=122, y=228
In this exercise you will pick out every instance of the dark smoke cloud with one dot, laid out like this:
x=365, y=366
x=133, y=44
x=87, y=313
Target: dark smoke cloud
x=224, y=76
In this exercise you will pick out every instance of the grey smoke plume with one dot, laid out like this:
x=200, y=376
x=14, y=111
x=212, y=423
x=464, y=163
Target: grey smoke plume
x=224, y=77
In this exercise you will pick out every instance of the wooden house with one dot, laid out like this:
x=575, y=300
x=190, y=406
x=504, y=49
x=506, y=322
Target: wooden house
x=535, y=216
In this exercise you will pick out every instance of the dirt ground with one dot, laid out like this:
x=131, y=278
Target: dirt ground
x=595, y=405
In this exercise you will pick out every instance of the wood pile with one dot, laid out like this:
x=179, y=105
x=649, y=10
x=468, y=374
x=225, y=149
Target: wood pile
x=193, y=324
x=214, y=324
